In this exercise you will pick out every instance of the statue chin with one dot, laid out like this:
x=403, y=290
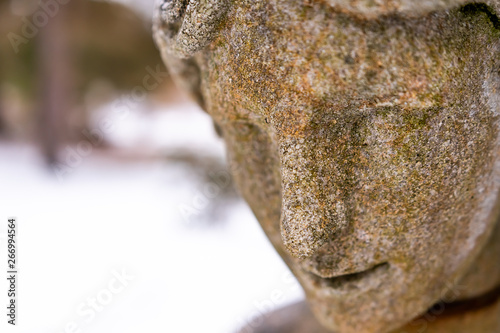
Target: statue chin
x=364, y=302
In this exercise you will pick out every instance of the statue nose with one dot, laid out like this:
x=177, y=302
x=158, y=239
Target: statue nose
x=312, y=211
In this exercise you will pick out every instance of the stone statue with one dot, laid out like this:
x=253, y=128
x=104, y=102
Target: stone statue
x=365, y=136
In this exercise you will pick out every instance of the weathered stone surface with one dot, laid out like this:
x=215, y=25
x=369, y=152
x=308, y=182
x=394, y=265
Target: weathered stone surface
x=365, y=137
x=188, y=26
x=479, y=313
x=374, y=8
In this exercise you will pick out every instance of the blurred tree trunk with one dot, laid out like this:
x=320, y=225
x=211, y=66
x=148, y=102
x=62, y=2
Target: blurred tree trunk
x=56, y=89
x=2, y=115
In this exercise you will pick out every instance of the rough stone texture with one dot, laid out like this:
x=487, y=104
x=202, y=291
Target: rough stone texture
x=189, y=25
x=480, y=313
x=414, y=8
x=365, y=137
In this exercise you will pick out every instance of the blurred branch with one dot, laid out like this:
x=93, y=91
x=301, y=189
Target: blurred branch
x=55, y=83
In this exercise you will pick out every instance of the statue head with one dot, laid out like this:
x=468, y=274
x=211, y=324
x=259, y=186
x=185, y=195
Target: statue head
x=366, y=141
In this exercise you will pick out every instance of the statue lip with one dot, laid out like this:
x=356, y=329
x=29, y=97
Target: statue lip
x=352, y=280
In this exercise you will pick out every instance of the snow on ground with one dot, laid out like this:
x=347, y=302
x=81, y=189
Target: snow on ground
x=145, y=7
x=105, y=249
x=179, y=126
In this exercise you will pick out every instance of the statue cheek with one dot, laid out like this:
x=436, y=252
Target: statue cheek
x=254, y=164
x=185, y=27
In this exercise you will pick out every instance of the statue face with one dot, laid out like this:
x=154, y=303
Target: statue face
x=367, y=149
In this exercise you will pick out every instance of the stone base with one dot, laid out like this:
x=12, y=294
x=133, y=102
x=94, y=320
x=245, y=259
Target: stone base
x=297, y=318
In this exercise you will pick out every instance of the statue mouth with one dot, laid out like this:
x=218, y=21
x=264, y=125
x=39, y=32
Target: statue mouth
x=357, y=280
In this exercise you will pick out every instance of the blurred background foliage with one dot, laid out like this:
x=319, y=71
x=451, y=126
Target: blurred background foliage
x=88, y=53
x=63, y=61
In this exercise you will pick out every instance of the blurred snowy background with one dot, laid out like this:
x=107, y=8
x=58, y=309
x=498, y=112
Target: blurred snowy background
x=128, y=221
